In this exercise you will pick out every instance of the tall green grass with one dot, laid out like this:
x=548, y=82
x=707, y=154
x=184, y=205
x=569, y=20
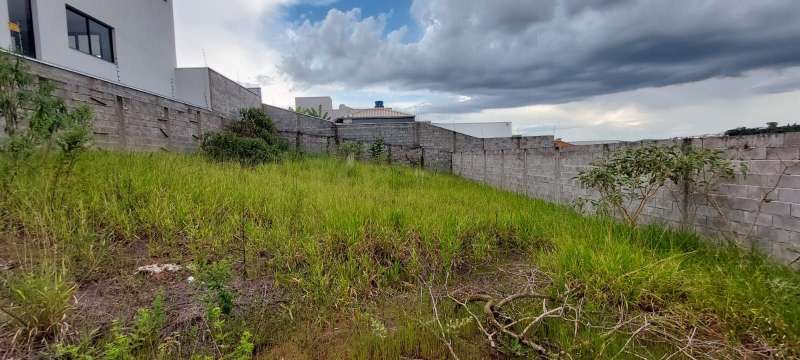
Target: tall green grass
x=335, y=234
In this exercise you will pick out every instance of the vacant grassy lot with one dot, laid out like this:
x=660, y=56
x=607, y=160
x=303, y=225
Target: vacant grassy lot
x=317, y=258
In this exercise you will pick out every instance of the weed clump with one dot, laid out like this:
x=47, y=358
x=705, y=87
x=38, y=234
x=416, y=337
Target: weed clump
x=37, y=304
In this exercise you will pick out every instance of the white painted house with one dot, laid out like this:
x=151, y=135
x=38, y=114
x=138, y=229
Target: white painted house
x=131, y=42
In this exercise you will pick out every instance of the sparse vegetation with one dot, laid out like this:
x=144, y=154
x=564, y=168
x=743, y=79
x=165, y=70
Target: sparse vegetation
x=771, y=128
x=350, y=151
x=37, y=304
x=317, y=113
x=630, y=178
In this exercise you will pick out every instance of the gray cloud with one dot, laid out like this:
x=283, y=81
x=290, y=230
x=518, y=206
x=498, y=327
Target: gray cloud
x=509, y=53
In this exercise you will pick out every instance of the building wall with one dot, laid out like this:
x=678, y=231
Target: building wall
x=144, y=40
x=207, y=88
x=193, y=85
x=378, y=122
x=314, y=103
x=760, y=210
x=5, y=36
x=228, y=97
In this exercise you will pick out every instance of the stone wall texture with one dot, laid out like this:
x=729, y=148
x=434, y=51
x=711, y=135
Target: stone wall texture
x=228, y=97
x=762, y=207
x=760, y=210
x=129, y=119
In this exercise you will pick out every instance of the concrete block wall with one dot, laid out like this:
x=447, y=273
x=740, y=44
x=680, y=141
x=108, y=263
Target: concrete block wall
x=129, y=119
x=760, y=209
x=315, y=135
x=395, y=134
x=228, y=97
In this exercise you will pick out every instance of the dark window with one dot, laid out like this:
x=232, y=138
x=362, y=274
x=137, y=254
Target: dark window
x=88, y=35
x=20, y=23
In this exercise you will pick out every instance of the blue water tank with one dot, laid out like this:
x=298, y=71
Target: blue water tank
x=379, y=104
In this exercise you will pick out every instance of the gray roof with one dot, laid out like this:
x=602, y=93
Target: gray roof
x=372, y=113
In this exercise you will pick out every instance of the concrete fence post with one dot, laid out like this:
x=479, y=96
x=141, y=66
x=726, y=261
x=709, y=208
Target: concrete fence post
x=122, y=128
x=686, y=145
x=557, y=174
x=525, y=179
x=503, y=180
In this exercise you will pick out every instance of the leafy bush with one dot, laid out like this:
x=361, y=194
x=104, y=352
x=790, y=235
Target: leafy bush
x=37, y=303
x=228, y=146
x=628, y=179
x=251, y=141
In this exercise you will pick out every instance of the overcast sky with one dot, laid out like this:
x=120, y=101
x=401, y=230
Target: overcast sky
x=578, y=69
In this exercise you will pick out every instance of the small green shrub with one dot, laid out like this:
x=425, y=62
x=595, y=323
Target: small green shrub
x=149, y=322
x=251, y=141
x=15, y=94
x=378, y=151
x=215, y=277
x=121, y=345
x=227, y=146
x=50, y=122
x=140, y=341
x=224, y=339
x=244, y=349
x=37, y=304
x=628, y=179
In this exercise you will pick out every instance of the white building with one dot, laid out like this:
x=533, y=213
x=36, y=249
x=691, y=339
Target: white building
x=485, y=130
x=131, y=42
x=325, y=103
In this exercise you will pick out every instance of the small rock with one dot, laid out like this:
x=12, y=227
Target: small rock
x=158, y=269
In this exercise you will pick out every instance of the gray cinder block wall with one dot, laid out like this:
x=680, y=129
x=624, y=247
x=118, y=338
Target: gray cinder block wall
x=763, y=208
x=760, y=210
x=228, y=97
x=129, y=119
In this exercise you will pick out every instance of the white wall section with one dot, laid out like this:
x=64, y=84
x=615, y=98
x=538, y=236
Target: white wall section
x=143, y=35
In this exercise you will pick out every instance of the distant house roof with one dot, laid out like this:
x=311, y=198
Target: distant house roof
x=345, y=112
x=376, y=113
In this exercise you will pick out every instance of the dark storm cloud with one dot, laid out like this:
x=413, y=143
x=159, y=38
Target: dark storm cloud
x=573, y=7
x=507, y=53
